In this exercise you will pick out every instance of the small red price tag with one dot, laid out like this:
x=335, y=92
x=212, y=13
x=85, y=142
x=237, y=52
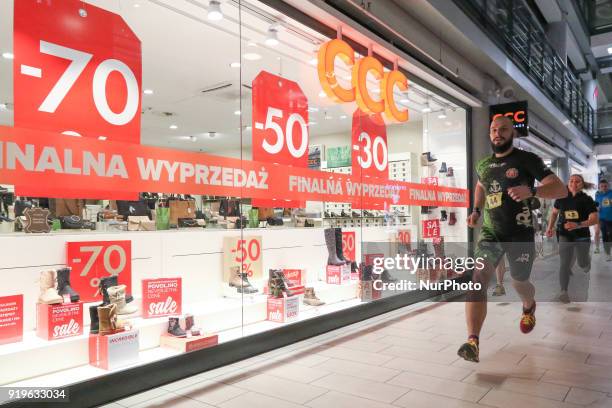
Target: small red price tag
x=90, y=261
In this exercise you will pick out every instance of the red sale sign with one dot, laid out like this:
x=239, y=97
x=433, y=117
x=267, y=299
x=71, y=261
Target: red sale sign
x=93, y=260
x=161, y=297
x=77, y=71
x=431, y=228
x=11, y=319
x=54, y=322
x=432, y=181
x=348, y=245
x=369, y=145
x=280, y=127
x=77, y=68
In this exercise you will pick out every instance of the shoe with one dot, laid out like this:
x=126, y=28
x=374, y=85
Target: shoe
x=452, y=218
x=326, y=214
x=334, y=215
x=355, y=214
x=469, y=350
x=94, y=326
x=449, y=172
x=174, y=328
x=499, y=290
x=279, y=276
x=275, y=288
x=528, y=320
x=427, y=159
x=564, y=297
x=425, y=210
x=339, y=251
x=366, y=213
x=48, y=292
x=443, y=168
x=240, y=281
x=116, y=295
x=106, y=283
x=585, y=269
x=330, y=241
x=63, y=284
x=596, y=251
x=311, y=299
x=4, y=218
x=443, y=215
x=189, y=322
x=108, y=322
x=343, y=214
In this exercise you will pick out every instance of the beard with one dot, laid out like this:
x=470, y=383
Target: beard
x=502, y=147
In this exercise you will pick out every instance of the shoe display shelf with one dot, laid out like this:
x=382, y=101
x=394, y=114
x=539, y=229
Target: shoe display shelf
x=194, y=255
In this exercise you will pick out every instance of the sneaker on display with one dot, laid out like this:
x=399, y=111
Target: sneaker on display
x=174, y=328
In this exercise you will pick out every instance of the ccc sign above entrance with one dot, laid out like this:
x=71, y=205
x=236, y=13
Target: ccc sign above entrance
x=360, y=68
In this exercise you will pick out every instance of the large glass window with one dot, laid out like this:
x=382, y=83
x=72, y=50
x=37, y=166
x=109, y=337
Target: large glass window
x=178, y=174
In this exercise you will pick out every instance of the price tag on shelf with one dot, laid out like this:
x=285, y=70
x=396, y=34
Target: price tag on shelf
x=90, y=261
x=431, y=228
x=369, y=145
x=280, y=127
x=348, y=245
x=245, y=253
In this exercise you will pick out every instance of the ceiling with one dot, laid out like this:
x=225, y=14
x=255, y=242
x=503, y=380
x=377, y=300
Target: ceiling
x=186, y=63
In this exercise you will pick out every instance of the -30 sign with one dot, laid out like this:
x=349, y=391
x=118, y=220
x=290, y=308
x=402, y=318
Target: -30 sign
x=91, y=261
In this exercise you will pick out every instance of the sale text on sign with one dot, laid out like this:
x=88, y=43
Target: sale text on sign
x=161, y=297
x=90, y=261
x=431, y=228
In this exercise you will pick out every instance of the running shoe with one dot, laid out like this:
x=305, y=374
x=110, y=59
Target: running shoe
x=596, y=250
x=528, y=320
x=564, y=297
x=499, y=290
x=469, y=351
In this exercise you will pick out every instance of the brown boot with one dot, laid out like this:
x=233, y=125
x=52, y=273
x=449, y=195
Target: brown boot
x=311, y=299
x=107, y=315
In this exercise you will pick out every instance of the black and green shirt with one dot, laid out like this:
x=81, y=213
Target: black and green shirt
x=574, y=209
x=503, y=215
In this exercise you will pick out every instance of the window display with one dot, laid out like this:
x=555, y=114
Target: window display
x=205, y=183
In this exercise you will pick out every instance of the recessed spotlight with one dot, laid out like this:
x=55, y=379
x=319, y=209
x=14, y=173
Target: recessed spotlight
x=404, y=100
x=313, y=61
x=173, y=127
x=376, y=90
x=237, y=112
x=212, y=135
x=3, y=106
x=311, y=123
x=136, y=5
x=235, y=65
x=322, y=94
x=426, y=109
x=248, y=128
x=251, y=56
x=101, y=137
x=272, y=36
x=610, y=50
x=448, y=123
x=193, y=139
x=82, y=12
x=214, y=10
x=148, y=92
x=8, y=55
x=313, y=109
x=343, y=116
x=442, y=115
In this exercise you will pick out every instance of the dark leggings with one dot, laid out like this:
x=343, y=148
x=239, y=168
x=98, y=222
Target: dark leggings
x=605, y=228
x=568, y=246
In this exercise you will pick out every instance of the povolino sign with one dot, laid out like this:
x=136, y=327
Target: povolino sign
x=360, y=68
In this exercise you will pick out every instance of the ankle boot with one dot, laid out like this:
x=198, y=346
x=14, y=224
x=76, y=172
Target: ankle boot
x=449, y=172
x=107, y=317
x=330, y=241
x=174, y=328
x=339, y=252
x=443, y=168
x=105, y=283
x=189, y=322
x=275, y=288
x=278, y=275
x=240, y=281
x=116, y=295
x=94, y=327
x=48, y=292
x=311, y=299
x=443, y=215
x=452, y=219
x=63, y=284
x=425, y=210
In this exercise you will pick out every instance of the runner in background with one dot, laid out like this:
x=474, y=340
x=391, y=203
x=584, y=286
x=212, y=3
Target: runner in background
x=500, y=271
x=604, y=202
x=575, y=213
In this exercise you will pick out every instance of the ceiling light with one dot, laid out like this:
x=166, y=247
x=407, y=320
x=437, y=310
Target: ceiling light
x=214, y=10
x=235, y=65
x=322, y=94
x=248, y=128
x=311, y=123
x=272, y=36
x=8, y=55
x=610, y=50
x=313, y=109
x=2, y=106
x=343, y=116
x=404, y=100
x=136, y=5
x=212, y=135
x=173, y=127
x=251, y=56
x=193, y=139
x=313, y=61
x=426, y=109
x=237, y=112
x=442, y=115
x=101, y=137
x=148, y=92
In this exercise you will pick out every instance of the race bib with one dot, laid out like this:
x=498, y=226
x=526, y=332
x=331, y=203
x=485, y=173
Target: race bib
x=605, y=202
x=571, y=215
x=494, y=200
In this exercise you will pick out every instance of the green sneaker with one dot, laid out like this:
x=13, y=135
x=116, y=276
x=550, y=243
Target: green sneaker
x=499, y=290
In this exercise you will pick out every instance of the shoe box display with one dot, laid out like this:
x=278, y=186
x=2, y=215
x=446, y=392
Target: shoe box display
x=183, y=335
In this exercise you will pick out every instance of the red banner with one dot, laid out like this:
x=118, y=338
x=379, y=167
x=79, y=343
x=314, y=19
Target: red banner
x=32, y=158
x=93, y=260
x=431, y=228
x=280, y=127
x=161, y=297
x=11, y=319
x=369, y=144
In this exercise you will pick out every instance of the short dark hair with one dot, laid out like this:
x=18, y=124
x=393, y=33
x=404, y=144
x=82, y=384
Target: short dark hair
x=604, y=181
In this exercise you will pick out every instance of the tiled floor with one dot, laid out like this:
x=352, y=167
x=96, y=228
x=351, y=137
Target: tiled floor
x=407, y=358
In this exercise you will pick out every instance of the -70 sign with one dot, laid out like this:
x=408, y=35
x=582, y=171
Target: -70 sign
x=91, y=261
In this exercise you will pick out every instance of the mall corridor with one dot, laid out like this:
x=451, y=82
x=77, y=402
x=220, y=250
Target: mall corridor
x=407, y=358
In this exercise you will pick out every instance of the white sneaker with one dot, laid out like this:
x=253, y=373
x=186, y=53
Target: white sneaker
x=596, y=250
